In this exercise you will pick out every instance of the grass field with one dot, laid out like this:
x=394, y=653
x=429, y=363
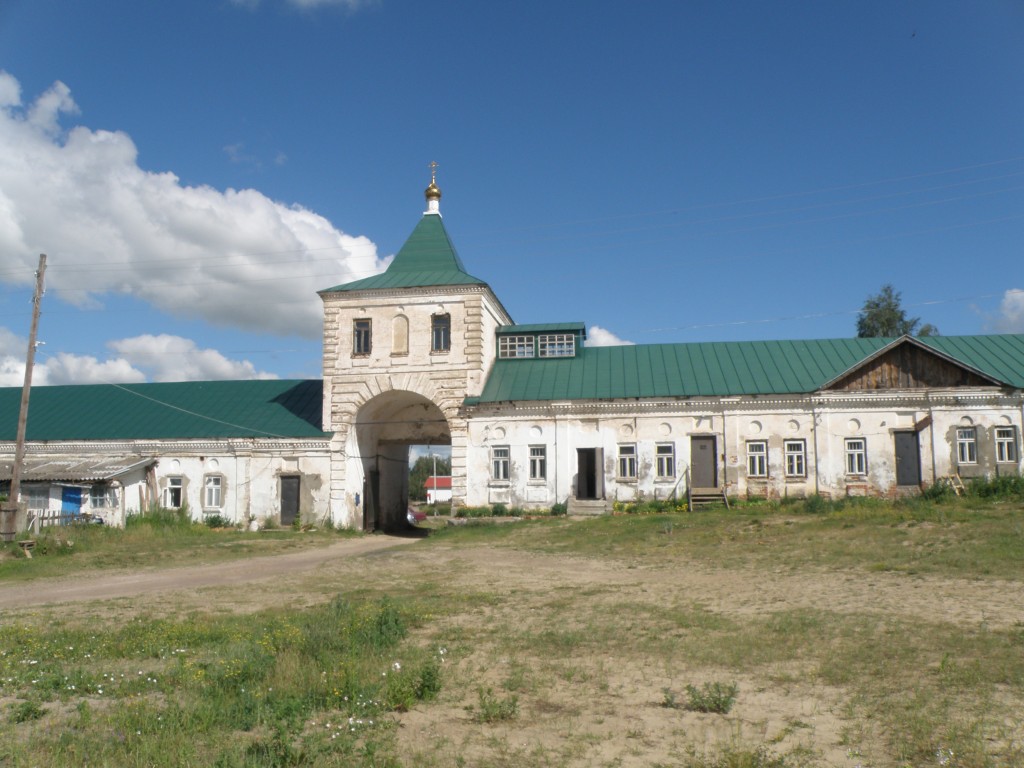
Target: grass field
x=859, y=634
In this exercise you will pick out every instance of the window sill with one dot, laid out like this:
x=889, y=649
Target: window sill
x=664, y=480
x=499, y=484
x=630, y=480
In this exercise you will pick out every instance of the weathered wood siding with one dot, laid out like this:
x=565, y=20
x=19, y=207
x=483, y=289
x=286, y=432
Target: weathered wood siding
x=909, y=367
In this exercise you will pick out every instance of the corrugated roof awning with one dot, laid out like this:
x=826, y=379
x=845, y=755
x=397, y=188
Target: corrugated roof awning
x=73, y=468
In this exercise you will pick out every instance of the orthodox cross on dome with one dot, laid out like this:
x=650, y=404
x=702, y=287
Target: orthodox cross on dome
x=433, y=192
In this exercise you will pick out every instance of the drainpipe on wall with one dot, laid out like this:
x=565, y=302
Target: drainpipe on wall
x=931, y=432
x=817, y=458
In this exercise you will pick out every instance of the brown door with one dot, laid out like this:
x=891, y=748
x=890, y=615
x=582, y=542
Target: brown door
x=703, y=462
x=289, y=499
x=908, y=458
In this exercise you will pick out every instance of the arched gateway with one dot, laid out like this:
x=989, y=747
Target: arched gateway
x=402, y=351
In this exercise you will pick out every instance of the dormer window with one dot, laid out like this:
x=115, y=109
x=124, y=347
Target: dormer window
x=556, y=345
x=515, y=346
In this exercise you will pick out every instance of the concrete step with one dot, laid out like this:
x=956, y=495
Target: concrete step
x=587, y=506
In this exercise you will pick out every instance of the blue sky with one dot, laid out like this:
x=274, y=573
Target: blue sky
x=663, y=171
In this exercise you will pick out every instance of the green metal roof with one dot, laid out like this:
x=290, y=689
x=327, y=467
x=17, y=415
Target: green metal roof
x=185, y=410
x=428, y=258
x=544, y=328
x=1000, y=356
x=723, y=368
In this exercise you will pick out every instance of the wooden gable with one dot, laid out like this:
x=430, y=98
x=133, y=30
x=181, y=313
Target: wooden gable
x=909, y=365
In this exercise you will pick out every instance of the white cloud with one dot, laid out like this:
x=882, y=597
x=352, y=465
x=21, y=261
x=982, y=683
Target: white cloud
x=234, y=258
x=173, y=358
x=1011, y=312
x=138, y=359
x=601, y=337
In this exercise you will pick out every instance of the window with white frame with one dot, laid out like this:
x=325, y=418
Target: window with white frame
x=102, y=495
x=1006, y=444
x=856, y=456
x=362, y=335
x=172, y=493
x=966, y=445
x=627, y=461
x=538, y=462
x=556, y=345
x=440, y=333
x=757, y=458
x=796, y=458
x=499, y=462
x=36, y=497
x=515, y=346
x=665, y=454
x=213, y=492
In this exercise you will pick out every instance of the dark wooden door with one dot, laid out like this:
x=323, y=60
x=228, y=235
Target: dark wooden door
x=703, y=462
x=289, y=499
x=908, y=458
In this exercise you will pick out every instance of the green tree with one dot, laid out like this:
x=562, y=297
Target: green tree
x=883, y=315
x=421, y=470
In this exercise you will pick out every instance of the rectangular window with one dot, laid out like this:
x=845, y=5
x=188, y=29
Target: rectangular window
x=102, y=495
x=666, y=455
x=796, y=458
x=556, y=345
x=499, y=462
x=515, y=346
x=757, y=458
x=440, y=333
x=213, y=492
x=856, y=456
x=966, y=445
x=1006, y=444
x=538, y=462
x=361, y=336
x=37, y=497
x=627, y=460
x=172, y=493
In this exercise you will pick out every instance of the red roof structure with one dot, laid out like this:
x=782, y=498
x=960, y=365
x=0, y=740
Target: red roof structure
x=438, y=483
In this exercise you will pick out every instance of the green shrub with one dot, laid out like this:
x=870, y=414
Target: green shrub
x=492, y=709
x=1010, y=487
x=25, y=711
x=559, y=509
x=474, y=512
x=216, y=521
x=711, y=697
x=161, y=517
x=816, y=505
x=499, y=510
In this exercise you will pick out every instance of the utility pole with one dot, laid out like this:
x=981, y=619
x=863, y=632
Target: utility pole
x=8, y=524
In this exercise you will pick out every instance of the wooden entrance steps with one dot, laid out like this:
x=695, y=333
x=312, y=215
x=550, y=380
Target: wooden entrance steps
x=705, y=497
x=587, y=506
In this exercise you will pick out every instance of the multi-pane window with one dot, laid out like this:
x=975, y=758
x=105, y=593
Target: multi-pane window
x=37, y=497
x=1006, y=444
x=966, y=445
x=665, y=453
x=538, y=462
x=556, y=345
x=757, y=458
x=361, y=336
x=499, y=462
x=515, y=346
x=172, y=493
x=102, y=495
x=440, y=333
x=627, y=460
x=796, y=458
x=856, y=456
x=213, y=493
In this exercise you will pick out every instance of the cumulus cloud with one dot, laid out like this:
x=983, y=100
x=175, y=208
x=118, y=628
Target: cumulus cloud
x=602, y=337
x=1011, y=312
x=137, y=359
x=234, y=258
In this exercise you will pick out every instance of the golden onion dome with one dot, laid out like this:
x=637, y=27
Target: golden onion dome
x=433, y=192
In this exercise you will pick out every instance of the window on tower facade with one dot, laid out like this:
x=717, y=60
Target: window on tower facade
x=440, y=333
x=361, y=336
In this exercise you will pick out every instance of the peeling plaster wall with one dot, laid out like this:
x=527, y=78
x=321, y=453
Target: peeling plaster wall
x=823, y=423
